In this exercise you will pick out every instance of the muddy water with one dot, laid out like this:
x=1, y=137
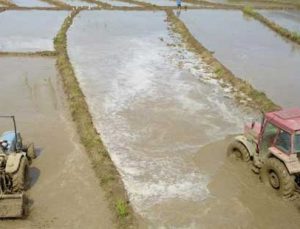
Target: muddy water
x=31, y=3
x=287, y=19
x=252, y=51
x=77, y=3
x=155, y=107
x=23, y=31
x=64, y=192
x=238, y=199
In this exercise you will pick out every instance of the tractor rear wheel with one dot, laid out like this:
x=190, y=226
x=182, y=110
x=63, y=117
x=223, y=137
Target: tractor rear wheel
x=19, y=178
x=237, y=150
x=274, y=174
x=31, y=151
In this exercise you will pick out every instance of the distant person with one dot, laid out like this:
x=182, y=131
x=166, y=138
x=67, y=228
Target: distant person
x=178, y=4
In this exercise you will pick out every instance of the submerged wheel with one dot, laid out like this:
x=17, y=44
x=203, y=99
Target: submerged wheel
x=274, y=174
x=237, y=150
x=19, y=178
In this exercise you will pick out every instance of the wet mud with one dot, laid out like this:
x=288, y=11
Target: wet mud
x=276, y=70
x=29, y=31
x=64, y=191
x=238, y=198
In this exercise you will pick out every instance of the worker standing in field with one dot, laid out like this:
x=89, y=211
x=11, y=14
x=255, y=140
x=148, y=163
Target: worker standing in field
x=178, y=4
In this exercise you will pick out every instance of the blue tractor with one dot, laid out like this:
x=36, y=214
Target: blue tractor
x=15, y=158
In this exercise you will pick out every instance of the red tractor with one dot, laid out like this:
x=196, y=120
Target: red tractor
x=274, y=147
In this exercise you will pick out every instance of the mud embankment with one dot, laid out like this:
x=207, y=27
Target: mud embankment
x=293, y=36
x=105, y=170
x=241, y=89
x=29, y=54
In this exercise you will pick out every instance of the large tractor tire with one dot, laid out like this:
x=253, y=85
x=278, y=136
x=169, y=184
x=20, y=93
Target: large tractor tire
x=19, y=178
x=237, y=150
x=31, y=151
x=274, y=174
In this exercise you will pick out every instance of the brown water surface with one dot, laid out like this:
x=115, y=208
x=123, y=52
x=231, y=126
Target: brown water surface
x=64, y=192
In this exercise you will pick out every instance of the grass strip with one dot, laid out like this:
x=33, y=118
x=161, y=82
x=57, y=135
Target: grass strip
x=140, y=3
x=98, y=3
x=7, y=3
x=57, y=4
x=33, y=54
x=242, y=89
x=109, y=178
x=293, y=36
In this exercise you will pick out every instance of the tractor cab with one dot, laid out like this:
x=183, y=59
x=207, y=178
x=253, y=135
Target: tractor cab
x=9, y=142
x=274, y=147
x=280, y=132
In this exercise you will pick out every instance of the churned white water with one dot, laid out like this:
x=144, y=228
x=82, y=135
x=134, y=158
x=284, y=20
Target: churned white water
x=153, y=103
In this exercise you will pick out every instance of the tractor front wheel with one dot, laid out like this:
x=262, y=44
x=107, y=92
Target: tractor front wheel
x=237, y=150
x=274, y=174
x=19, y=178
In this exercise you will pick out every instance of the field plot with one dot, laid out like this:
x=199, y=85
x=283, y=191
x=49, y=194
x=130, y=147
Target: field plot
x=287, y=19
x=24, y=31
x=31, y=90
x=154, y=105
x=77, y=3
x=252, y=52
x=31, y=3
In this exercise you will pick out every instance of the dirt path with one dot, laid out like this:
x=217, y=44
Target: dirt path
x=64, y=190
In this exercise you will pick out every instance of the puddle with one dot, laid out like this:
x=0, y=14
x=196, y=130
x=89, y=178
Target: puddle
x=77, y=3
x=31, y=3
x=287, y=19
x=154, y=105
x=252, y=51
x=118, y=3
x=24, y=31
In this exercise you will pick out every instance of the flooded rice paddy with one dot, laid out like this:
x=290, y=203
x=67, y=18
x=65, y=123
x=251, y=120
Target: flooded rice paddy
x=31, y=3
x=252, y=51
x=287, y=19
x=154, y=111
x=24, y=31
x=63, y=184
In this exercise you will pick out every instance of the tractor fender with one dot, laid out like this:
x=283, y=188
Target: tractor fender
x=290, y=161
x=13, y=162
x=250, y=145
